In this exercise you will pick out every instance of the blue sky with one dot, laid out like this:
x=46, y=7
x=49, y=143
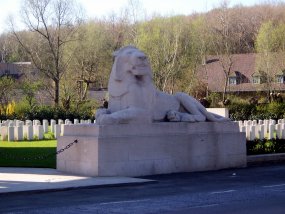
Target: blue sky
x=99, y=8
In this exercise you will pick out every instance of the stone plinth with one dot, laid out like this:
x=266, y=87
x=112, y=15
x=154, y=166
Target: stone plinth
x=224, y=112
x=157, y=148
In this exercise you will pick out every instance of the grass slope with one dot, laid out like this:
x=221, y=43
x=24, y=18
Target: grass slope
x=27, y=154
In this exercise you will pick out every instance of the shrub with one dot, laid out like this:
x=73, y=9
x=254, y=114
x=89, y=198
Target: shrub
x=214, y=99
x=247, y=111
x=265, y=146
x=241, y=111
x=24, y=111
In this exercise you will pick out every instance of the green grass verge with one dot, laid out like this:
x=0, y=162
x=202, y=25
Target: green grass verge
x=265, y=146
x=24, y=153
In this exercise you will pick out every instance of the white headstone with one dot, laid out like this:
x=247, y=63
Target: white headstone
x=240, y=123
x=266, y=126
x=257, y=130
x=261, y=132
x=273, y=122
x=36, y=122
x=28, y=132
x=62, y=129
x=243, y=129
x=247, y=133
x=45, y=126
x=19, y=133
x=29, y=122
x=76, y=121
x=283, y=130
x=278, y=131
x=252, y=133
x=57, y=131
x=4, y=132
x=39, y=131
x=52, y=124
x=271, y=131
x=11, y=133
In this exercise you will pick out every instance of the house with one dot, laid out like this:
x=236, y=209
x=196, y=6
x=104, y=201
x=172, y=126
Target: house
x=247, y=73
x=14, y=70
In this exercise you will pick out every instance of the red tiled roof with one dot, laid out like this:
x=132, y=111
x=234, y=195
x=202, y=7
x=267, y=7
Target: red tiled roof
x=244, y=65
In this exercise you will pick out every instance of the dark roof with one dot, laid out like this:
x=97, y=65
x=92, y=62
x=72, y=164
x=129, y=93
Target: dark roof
x=243, y=67
x=14, y=70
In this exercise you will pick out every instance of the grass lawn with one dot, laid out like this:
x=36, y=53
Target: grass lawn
x=13, y=154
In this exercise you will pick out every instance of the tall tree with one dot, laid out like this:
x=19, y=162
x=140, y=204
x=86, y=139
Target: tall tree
x=91, y=64
x=222, y=43
x=164, y=41
x=199, y=37
x=52, y=24
x=270, y=46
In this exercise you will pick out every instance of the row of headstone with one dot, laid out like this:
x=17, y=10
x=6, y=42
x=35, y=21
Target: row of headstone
x=16, y=130
x=262, y=129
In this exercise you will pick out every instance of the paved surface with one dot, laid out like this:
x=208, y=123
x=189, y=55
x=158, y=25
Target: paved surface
x=250, y=190
x=37, y=179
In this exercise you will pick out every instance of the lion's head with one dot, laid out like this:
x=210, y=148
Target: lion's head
x=130, y=65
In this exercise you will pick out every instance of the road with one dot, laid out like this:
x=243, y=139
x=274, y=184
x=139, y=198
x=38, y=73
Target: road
x=250, y=190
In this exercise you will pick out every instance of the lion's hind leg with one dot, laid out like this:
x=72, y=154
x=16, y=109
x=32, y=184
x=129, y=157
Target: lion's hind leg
x=190, y=105
x=176, y=116
x=194, y=107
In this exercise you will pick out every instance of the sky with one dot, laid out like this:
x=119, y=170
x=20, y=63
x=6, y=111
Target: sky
x=101, y=8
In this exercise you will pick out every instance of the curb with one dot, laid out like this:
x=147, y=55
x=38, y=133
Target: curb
x=60, y=189
x=253, y=160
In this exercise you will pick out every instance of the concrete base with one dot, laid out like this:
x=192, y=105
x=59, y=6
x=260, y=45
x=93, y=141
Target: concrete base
x=158, y=148
x=224, y=112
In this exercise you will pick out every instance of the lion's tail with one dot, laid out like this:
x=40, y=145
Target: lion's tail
x=194, y=107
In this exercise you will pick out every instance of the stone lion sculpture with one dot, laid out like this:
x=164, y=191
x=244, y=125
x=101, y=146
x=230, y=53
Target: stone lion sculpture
x=133, y=97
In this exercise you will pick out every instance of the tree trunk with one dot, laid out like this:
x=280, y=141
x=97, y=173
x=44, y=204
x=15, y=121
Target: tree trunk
x=56, y=92
x=225, y=90
x=86, y=87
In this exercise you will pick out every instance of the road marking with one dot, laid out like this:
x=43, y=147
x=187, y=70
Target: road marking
x=208, y=205
x=278, y=190
x=121, y=202
x=276, y=185
x=221, y=192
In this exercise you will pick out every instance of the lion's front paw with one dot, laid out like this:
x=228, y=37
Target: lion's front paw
x=187, y=118
x=199, y=118
x=101, y=111
x=173, y=116
x=106, y=119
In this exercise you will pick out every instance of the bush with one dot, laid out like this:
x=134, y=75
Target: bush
x=247, y=111
x=241, y=111
x=24, y=111
x=265, y=146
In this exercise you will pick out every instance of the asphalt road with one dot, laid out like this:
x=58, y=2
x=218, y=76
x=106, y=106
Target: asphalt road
x=249, y=190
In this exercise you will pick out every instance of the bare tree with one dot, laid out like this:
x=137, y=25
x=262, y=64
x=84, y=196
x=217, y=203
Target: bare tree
x=93, y=59
x=223, y=45
x=53, y=24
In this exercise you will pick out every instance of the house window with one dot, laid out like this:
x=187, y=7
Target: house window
x=279, y=78
x=232, y=80
x=256, y=80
